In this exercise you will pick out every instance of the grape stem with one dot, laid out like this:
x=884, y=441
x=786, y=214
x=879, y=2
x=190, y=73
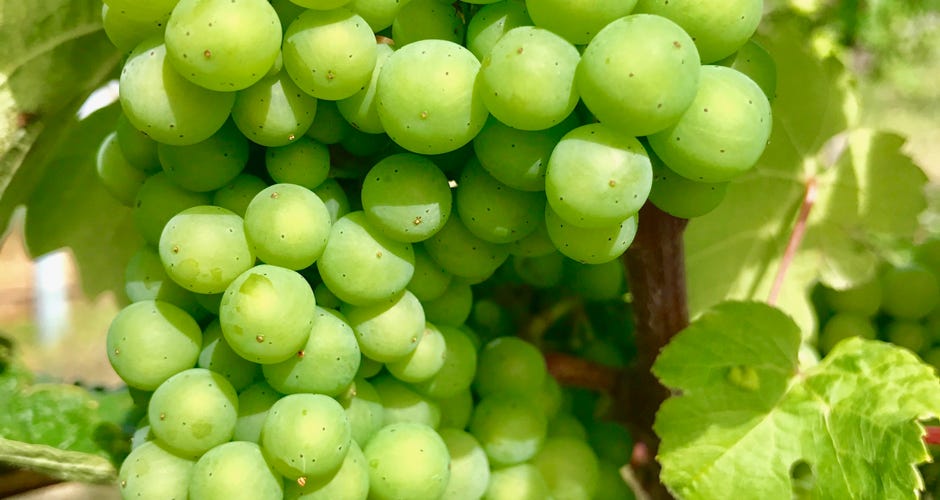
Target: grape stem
x=572, y=371
x=796, y=237
x=932, y=437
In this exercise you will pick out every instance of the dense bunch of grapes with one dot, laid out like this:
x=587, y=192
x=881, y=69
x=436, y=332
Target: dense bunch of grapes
x=900, y=304
x=321, y=183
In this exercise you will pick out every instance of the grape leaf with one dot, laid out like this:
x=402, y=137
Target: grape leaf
x=745, y=416
x=71, y=208
x=55, y=54
x=868, y=196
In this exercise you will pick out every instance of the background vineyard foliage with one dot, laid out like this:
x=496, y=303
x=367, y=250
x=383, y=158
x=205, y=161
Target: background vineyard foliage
x=890, y=51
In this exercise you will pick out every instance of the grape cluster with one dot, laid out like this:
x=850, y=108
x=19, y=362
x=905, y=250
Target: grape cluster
x=320, y=184
x=900, y=304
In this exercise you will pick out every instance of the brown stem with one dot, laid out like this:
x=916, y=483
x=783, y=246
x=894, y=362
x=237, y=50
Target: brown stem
x=571, y=371
x=655, y=265
x=796, y=237
x=933, y=435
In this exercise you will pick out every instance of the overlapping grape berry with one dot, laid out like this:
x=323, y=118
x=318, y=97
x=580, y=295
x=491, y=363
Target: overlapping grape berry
x=321, y=184
x=900, y=304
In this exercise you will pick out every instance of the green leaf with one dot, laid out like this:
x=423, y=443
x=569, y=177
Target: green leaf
x=71, y=208
x=54, y=54
x=63, y=416
x=744, y=416
x=868, y=196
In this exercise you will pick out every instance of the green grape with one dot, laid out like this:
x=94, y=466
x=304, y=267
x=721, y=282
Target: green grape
x=718, y=27
x=590, y=245
x=456, y=410
x=150, y=341
x=864, y=299
x=321, y=4
x=569, y=466
x=509, y=364
x=223, y=45
x=325, y=297
x=388, y=330
x=236, y=195
x=510, y=427
x=401, y=403
x=406, y=197
x=146, y=279
x=681, y=197
x=427, y=97
x=452, y=307
x=329, y=54
x=518, y=482
x=550, y=397
x=722, y=134
x=274, y=111
x=491, y=22
x=577, y=20
x=407, y=460
x=460, y=364
x=360, y=109
x=364, y=410
x=335, y=199
x=204, y=248
x=518, y=158
x=908, y=333
x=536, y=244
x=158, y=200
x=378, y=13
x=927, y=253
x=427, y=19
x=909, y=292
x=287, y=11
x=151, y=471
x=193, y=411
x=287, y=225
x=597, y=177
x=234, y=469
x=306, y=163
x=207, y=165
x=163, y=104
x=294, y=450
x=143, y=11
x=639, y=74
x=360, y=144
x=469, y=468
x=423, y=362
x=754, y=61
x=566, y=425
x=843, y=326
x=351, y=481
x=254, y=402
x=611, y=441
x=125, y=32
x=519, y=85
x=493, y=211
x=138, y=148
x=463, y=254
x=596, y=282
x=610, y=484
x=369, y=368
x=142, y=434
x=429, y=280
x=362, y=266
x=118, y=176
x=327, y=364
x=329, y=126
x=266, y=313
x=544, y=271
x=218, y=356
